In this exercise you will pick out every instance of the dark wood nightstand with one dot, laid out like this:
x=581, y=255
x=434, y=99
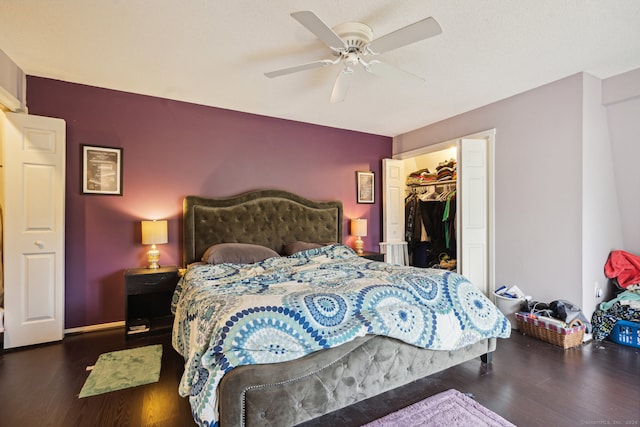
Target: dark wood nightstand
x=148, y=294
x=373, y=256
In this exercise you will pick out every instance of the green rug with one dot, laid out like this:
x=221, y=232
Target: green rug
x=123, y=369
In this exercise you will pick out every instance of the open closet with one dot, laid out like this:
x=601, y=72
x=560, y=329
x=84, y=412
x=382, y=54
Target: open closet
x=430, y=209
x=437, y=200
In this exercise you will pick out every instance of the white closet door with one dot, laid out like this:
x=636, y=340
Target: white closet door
x=33, y=209
x=473, y=211
x=393, y=200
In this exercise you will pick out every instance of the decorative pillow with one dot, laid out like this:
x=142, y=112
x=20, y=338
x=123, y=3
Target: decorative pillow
x=293, y=247
x=237, y=253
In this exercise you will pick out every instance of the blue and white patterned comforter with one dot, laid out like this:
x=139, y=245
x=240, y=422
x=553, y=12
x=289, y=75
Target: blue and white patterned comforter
x=281, y=309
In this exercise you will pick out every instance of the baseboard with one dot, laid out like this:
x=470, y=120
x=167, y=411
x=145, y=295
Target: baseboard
x=79, y=330
x=94, y=328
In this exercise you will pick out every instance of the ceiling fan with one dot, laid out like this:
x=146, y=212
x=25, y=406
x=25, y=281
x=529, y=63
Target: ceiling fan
x=351, y=42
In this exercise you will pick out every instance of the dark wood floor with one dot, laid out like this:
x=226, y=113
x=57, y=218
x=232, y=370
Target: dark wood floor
x=530, y=383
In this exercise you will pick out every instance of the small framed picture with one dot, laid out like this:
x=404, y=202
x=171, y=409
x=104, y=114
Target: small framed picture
x=366, y=186
x=101, y=170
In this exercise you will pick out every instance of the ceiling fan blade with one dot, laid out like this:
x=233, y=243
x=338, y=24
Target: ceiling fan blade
x=383, y=69
x=314, y=24
x=412, y=33
x=297, y=68
x=341, y=86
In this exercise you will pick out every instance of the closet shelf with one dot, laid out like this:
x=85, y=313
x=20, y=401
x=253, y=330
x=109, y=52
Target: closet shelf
x=434, y=183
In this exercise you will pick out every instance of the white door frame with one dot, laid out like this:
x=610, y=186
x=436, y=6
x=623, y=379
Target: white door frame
x=490, y=137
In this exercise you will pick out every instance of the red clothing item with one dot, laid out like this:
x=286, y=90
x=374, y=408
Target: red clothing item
x=623, y=266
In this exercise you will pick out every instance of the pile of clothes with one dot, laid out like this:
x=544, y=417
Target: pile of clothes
x=563, y=312
x=421, y=177
x=624, y=270
x=445, y=171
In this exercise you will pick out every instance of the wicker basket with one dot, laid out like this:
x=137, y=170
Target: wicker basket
x=562, y=337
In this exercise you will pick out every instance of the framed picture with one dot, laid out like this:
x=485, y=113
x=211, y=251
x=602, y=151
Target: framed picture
x=101, y=170
x=366, y=186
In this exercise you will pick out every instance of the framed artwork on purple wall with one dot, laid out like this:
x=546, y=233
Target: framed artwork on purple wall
x=101, y=170
x=366, y=186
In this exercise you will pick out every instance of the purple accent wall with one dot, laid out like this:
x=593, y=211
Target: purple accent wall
x=172, y=149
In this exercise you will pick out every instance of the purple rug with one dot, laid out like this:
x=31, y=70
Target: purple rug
x=447, y=409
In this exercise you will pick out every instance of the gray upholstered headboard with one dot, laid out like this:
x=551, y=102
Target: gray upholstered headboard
x=269, y=218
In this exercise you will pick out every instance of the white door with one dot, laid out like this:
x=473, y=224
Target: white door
x=393, y=200
x=33, y=184
x=473, y=212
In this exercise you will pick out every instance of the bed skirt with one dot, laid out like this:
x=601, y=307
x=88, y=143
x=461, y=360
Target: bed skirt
x=290, y=393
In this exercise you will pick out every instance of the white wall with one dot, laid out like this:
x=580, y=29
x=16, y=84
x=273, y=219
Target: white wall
x=601, y=227
x=621, y=95
x=538, y=185
x=12, y=84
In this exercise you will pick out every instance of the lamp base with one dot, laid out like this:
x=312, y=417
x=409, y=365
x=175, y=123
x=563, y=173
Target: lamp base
x=153, y=256
x=358, y=246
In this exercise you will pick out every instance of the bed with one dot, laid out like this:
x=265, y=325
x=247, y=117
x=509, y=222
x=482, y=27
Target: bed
x=323, y=365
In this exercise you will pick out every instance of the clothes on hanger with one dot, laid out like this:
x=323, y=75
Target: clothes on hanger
x=430, y=232
x=430, y=216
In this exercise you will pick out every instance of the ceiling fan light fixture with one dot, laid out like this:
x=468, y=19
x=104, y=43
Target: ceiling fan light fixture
x=356, y=35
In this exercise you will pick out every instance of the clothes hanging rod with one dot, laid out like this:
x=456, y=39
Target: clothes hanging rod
x=434, y=183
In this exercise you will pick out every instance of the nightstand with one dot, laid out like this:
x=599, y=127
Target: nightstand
x=148, y=294
x=373, y=256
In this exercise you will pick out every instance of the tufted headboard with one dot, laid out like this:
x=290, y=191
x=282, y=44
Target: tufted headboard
x=269, y=218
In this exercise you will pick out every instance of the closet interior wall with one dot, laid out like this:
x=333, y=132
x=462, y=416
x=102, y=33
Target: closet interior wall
x=431, y=241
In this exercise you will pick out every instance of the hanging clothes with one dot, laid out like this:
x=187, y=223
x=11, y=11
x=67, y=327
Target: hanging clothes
x=410, y=212
x=449, y=220
x=413, y=227
x=430, y=227
x=430, y=216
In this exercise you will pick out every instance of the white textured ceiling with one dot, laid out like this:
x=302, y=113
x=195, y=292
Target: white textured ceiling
x=214, y=52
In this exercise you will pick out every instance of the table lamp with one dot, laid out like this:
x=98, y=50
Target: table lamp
x=154, y=233
x=359, y=229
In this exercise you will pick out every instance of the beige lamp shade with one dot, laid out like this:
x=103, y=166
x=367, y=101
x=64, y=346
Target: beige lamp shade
x=154, y=232
x=359, y=227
